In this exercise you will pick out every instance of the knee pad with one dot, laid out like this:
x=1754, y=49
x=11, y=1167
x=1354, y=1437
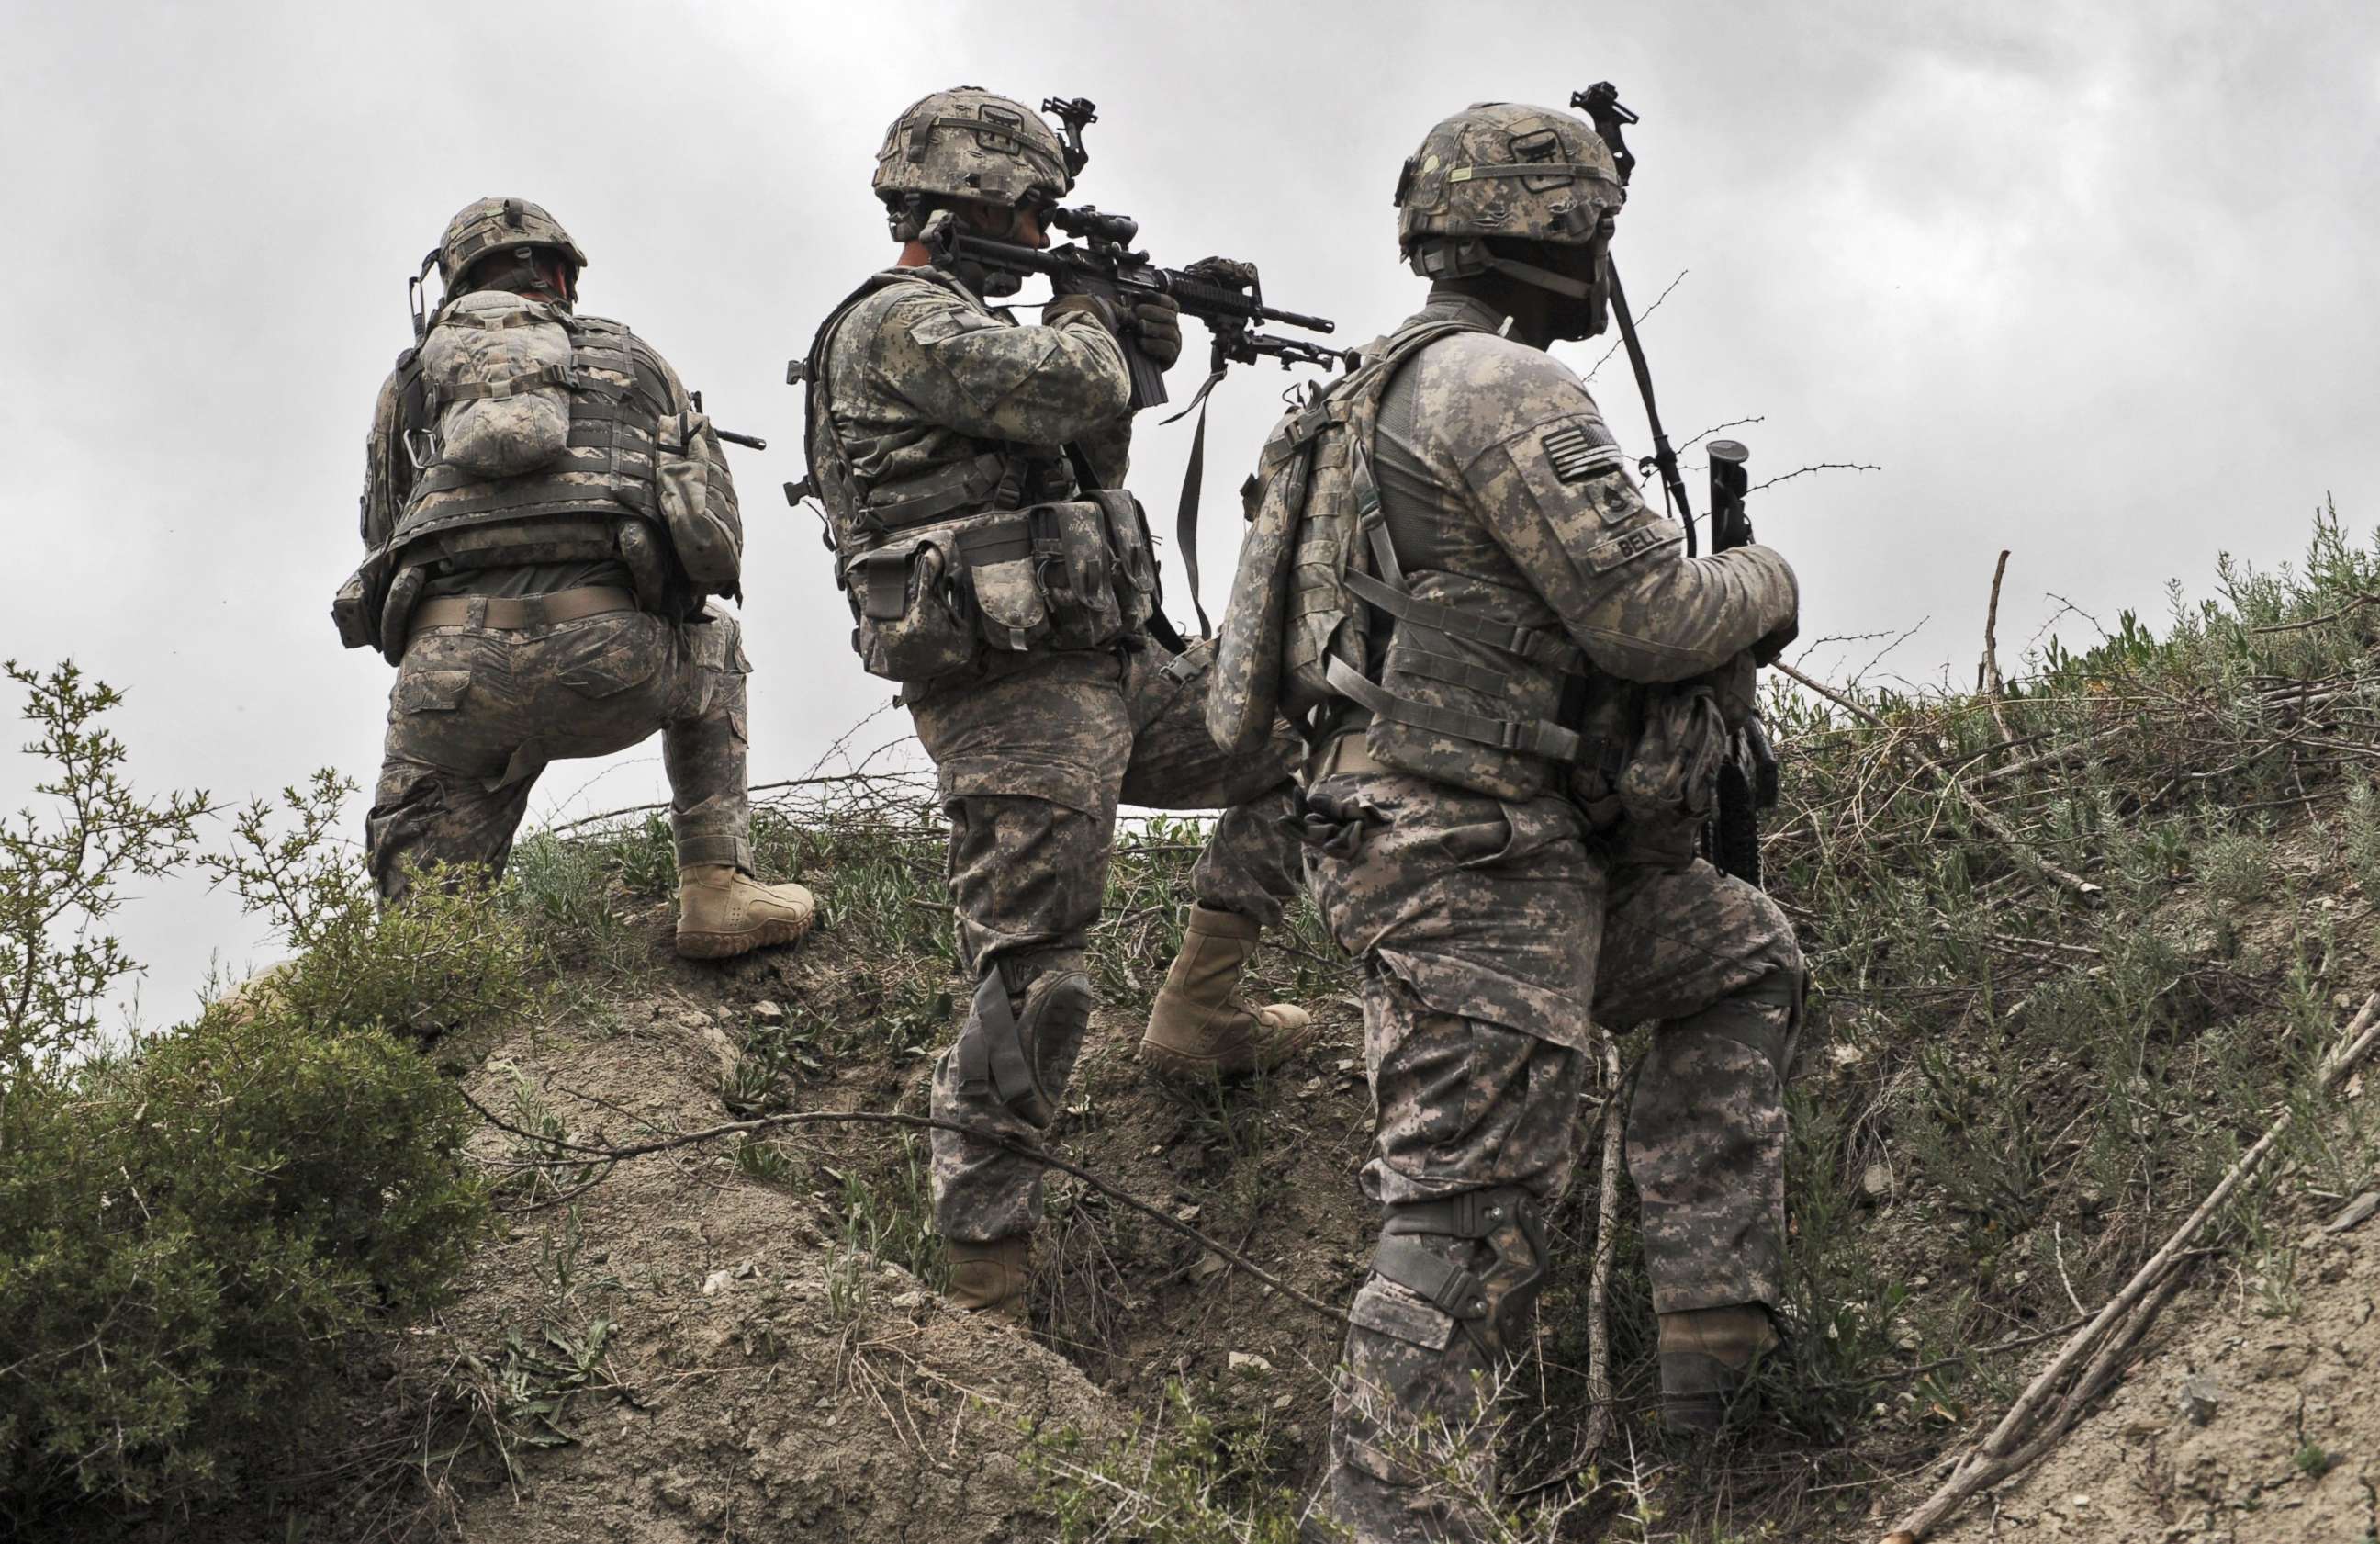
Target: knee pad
x=1489, y=1298
x=1023, y=1057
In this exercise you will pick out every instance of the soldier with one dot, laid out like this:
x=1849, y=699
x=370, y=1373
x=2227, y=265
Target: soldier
x=1520, y=689
x=970, y=467
x=544, y=510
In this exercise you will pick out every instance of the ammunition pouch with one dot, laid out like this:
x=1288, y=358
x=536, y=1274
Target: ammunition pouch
x=1022, y=1058
x=1488, y=1302
x=1073, y=575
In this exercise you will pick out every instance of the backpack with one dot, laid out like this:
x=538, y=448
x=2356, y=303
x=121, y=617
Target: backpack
x=1292, y=612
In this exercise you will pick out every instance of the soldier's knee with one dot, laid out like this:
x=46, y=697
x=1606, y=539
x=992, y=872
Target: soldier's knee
x=1021, y=1054
x=399, y=828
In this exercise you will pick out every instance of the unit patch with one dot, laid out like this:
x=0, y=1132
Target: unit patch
x=1574, y=458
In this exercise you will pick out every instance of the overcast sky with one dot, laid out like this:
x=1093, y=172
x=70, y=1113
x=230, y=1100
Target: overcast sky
x=2094, y=282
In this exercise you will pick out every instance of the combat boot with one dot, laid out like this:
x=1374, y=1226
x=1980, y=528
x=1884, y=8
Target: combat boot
x=991, y=1278
x=1198, y=1027
x=1707, y=1357
x=723, y=911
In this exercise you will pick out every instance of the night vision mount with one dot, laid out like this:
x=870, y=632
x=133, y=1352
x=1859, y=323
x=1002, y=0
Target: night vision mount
x=1075, y=111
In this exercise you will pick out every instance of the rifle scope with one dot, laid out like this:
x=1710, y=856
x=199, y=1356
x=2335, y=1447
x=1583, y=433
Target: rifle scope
x=1092, y=225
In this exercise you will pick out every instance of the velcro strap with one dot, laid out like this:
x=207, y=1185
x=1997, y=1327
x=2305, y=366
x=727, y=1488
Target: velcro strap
x=1005, y=541
x=916, y=501
x=1521, y=736
x=1534, y=644
x=496, y=322
x=1449, y=1288
x=1453, y=672
x=515, y=613
x=991, y=1049
x=511, y=385
x=1533, y=168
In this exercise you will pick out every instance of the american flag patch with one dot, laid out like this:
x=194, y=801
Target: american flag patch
x=1573, y=456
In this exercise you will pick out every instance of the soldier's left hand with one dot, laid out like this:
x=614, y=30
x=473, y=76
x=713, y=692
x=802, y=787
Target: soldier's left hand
x=1157, y=328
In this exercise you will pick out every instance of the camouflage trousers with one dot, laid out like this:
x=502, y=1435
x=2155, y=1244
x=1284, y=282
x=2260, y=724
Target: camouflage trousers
x=478, y=712
x=1031, y=764
x=1492, y=936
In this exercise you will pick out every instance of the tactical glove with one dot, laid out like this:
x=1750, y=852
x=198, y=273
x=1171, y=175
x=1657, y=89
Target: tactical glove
x=1157, y=327
x=1779, y=639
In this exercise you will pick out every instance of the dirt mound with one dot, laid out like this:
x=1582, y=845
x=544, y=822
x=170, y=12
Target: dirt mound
x=729, y=1333
x=2254, y=1418
x=685, y=1352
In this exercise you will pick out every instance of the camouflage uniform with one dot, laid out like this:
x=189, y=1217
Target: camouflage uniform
x=1033, y=749
x=555, y=613
x=971, y=470
x=1503, y=811
x=478, y=712
x=1494, y=932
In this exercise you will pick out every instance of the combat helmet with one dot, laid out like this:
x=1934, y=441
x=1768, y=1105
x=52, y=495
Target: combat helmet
x=1507, y=170
x=486, y=225
x=967, y=144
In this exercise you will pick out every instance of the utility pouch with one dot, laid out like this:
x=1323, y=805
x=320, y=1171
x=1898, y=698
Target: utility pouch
x=909, y=625
x=355, y=609
x=697, y=504
x=1672, y=774
x=1043, y=578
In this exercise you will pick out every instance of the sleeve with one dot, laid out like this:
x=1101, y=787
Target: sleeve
x=1108, y=448
x=1560, y=500
x=984, y=377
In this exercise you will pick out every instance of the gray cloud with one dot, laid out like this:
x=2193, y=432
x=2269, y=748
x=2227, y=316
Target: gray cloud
x=2089, y=283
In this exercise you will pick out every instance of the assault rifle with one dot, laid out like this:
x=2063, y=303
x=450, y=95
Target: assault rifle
x=1747, y=781
x=1225, y=295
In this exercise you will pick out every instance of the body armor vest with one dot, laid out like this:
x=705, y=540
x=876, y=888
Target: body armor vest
x=1001, y=548
x=565, y=511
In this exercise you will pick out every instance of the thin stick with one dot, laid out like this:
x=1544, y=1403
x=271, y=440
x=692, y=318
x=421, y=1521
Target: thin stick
x=2355, y=605
x=1998, y=1456
x=1607, y=1247
x=1987, y=672
x=925, y=1123
x=755, y=788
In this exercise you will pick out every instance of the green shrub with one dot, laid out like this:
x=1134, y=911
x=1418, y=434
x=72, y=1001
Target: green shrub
x=187, y=1237
x=196, y=1229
